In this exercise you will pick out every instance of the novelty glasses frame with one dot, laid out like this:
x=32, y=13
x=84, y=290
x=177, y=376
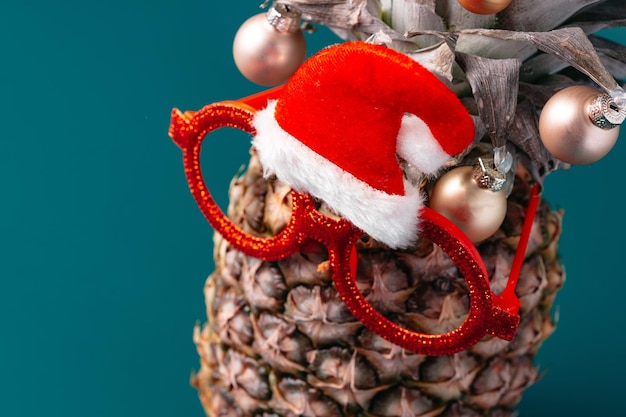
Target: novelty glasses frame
x=488, y=313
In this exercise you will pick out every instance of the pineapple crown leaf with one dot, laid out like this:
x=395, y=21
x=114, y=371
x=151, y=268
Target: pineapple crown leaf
x=394, y=16
x=494, y=84
x=529, y=43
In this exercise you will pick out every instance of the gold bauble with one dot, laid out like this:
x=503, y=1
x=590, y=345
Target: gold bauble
x=567, y=130
x=484, y=6
x=478, y=212
x=265, y=55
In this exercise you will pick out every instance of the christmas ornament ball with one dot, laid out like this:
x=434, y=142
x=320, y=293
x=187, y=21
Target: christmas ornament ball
x=567, y=131
x=266, y=56
x=476, y=211
x=484, y=6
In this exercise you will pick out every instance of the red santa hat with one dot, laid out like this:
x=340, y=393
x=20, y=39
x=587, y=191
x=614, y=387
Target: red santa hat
x=342, y=120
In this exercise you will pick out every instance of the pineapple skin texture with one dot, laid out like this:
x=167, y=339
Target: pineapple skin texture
x=280, y=342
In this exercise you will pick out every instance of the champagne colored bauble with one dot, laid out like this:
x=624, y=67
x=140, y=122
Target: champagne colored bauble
x=476, y=211
x=567, y=131
x=266, y=56
x=484, y=6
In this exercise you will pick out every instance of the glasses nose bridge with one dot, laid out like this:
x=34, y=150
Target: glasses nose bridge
x=337, y=235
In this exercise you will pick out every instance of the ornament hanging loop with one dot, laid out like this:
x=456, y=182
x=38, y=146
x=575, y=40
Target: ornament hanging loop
x=619, y=96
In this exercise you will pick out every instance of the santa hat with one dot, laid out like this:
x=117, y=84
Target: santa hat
x=339, y=124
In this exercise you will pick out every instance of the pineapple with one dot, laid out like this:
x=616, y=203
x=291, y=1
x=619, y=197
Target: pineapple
x=280, y=342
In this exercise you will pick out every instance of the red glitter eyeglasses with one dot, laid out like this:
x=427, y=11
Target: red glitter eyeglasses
x=488, y=313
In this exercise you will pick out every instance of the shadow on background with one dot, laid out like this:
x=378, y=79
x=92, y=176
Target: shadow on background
x=104, y=253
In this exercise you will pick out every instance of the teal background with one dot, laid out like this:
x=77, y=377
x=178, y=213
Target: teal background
x=103, y=253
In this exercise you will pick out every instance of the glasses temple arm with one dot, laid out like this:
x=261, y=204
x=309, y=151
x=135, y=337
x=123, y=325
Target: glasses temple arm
x=259, y=100
x=508, y=296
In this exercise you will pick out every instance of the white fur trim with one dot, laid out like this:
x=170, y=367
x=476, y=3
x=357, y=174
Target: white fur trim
x=391, y=219
x=417, y=145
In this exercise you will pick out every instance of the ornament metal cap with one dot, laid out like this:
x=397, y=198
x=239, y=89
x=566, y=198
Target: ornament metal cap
x=488, y=178
x=284, y=18
x=605, y=113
